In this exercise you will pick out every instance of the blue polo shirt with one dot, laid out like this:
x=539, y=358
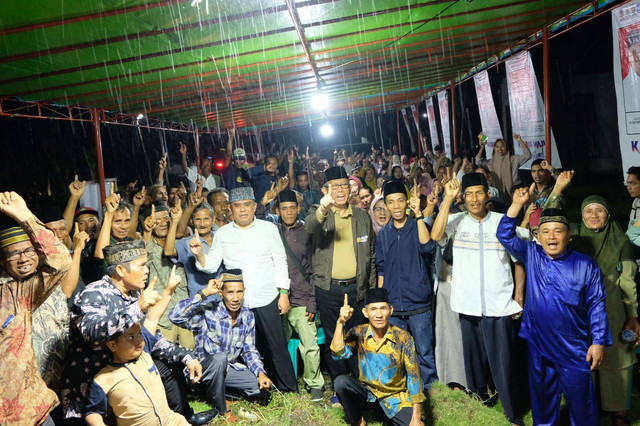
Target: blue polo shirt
x=402, y=261
x=196, y=279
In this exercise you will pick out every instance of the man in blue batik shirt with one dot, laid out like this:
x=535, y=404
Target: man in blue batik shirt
x=564, y=321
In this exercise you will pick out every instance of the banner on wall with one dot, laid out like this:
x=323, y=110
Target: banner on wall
x=443, y=107
x=488, y=116
x=527, y=109
x=431, y=117
x=626, y=75
x=406, y=123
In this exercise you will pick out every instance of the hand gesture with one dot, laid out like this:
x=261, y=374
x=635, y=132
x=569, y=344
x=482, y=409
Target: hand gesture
x=176, y=213
x=14, y=206
x=195, y=370
x=414, y=205
x=346, y=311
x=377, y=192
x=521, y=196
x=80, y=239
x=194, y=200
x=232, y=132
x=162, y=164
x=195, y=245
x=150, y=221
x=335, y=151
x=532, y=208
x=183, y=149
x=131, y=187
x=270, y=195
x=452, y=187
x=327, y=201
x=76, y=188
x=213, y=287
x=564, y=179
x=264, y=381
x=517, y=137
x=149, y=296
x=291, y=156
x=546, y=165
x=138, y=199
x=457, y=161
x=283, y=183
x=112, y=201
x=174, y=280
x=296, y=148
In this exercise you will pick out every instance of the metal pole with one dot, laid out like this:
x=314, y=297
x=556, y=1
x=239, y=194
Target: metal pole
x=547, y=94
x=398, y=126
x=419, y=133
x=197, y=139
x=95, y=117
x=453, y=117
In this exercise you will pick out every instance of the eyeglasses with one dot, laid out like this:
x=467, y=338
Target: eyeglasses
x=340, y=186
x=380, y=209
x=15, y=255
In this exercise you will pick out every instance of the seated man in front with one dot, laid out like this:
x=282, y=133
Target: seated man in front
x=389, y=371
x=224, y=331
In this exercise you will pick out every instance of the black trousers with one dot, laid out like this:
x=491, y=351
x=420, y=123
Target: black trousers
x=329, y=303
x=175, y=386
x=353, y=396
x=272, y=345
x=488, y=344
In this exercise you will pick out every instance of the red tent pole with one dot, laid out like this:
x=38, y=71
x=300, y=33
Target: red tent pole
x=453, y=116
x=547, y=93
x=95, y=117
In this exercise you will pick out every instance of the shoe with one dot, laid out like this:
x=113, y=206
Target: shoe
x=335, y=402
x=204, y=417
x=317, y=395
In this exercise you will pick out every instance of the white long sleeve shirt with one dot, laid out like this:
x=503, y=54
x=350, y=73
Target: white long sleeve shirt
x=259, y=252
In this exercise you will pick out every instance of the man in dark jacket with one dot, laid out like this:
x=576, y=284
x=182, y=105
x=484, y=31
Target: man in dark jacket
x=301, y=316
x=403, y=249
x=344, y=253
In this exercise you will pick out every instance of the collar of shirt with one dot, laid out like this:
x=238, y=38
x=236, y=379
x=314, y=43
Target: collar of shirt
x=295, y=226
x=474, y=220
x=387, y=336
x=555, y=259
x=221, y=313
x=337, y=212
x=132, y=296
x=235, y=225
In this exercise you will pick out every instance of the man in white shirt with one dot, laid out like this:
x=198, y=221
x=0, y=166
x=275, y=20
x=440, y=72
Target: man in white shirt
x=482, y=291
x=255, y=246
x=203, y=172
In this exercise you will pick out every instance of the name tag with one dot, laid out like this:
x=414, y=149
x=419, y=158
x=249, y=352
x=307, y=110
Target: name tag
x=363, y=239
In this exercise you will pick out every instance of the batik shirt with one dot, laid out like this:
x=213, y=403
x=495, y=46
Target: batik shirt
x=388, y=369
x=50, y=329
x=24, y=397
x=214, y=332
x=98, y=312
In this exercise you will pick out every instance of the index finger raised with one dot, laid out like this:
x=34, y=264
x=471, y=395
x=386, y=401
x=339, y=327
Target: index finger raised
x=346, y=300
x=149, y=289
x=76, y=227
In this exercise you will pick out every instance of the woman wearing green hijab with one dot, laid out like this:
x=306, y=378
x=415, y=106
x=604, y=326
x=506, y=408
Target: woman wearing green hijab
x=603, y=240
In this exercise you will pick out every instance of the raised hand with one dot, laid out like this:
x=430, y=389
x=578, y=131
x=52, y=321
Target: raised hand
x=532, y=208
x=138, y=199
x=80, y=239
x=14, y=206
x=232, y=132
x=162, y=164
x=546, y=165
x=451, y=188
x=149, y=296
x=176, y=213
x=283, y=183
x=112, y=201
x=292, y=156
x=150, y=221
x=270, y=195
x=521, y=196
x=131, y=187
x=563, y=180
x=213, y=287
x=346, y=311
x=183, y=149
x=174, y=280
x=194, y=200
x=195, y=245
x=327, y=201
x=76, y=188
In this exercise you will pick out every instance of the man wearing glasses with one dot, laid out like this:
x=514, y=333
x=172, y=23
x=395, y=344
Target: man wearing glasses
x=344, y=251
x=633, y=187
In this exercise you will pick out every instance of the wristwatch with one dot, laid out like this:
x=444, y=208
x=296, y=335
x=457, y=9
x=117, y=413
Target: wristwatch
x=202, y=295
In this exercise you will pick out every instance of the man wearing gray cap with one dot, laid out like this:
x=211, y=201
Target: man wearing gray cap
x=236, y=169
x=255, y=247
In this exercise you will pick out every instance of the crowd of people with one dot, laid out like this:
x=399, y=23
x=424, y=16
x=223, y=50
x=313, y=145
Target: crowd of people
x=417, y=270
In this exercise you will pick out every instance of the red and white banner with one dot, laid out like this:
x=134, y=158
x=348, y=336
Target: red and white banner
x=431, y=117
x=488, y=116
x=406, y=123
x=626, y=75
x=443, y=107
x=416, y=116
x=527, y=109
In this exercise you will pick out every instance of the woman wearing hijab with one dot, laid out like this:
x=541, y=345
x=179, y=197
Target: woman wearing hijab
x=504, y=166
x=379, y=214
x=368, y=176
x=603, y=240
x=355, y=184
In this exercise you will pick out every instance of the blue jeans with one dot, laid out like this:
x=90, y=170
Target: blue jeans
x=421, y=328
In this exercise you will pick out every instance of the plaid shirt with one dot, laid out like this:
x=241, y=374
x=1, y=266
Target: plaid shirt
x=214, y=332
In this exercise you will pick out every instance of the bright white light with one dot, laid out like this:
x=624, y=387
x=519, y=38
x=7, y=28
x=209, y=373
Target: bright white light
x=320, y=102
x=326, y=130
x=140, y=116
x=424, y=115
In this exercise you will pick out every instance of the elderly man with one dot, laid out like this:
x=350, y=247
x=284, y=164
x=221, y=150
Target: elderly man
x=219, y=200
x=565, y=321
x=344, y=255
x=255, y=247
x=116, y=302
x=23, y=288
x=482, y=291
x=389, y=372
x=203, y=172
x=225, y=338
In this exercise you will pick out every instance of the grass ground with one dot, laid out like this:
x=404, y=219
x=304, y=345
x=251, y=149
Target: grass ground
x=446, y=408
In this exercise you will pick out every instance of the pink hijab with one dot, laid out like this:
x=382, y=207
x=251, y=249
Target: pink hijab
x=376, y=227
